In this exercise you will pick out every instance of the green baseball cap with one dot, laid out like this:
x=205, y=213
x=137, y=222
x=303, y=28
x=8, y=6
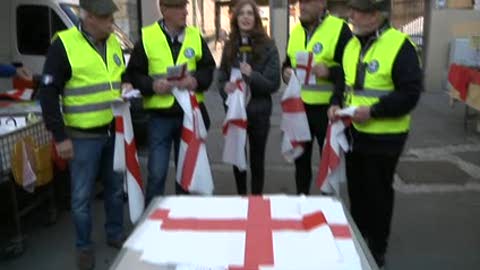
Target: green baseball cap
x=369, y=5
x=173, y=2
x=99, y=7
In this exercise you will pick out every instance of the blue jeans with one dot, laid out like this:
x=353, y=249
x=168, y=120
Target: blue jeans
x=91, y=156
x=162, y=131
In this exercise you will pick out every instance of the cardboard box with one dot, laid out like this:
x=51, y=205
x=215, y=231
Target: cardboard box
x=460, y=4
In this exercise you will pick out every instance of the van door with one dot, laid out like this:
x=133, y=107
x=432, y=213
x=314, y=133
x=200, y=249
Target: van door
x=35, y=26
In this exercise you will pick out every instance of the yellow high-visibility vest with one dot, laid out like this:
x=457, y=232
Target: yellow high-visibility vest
x=94, y=84
x=379, y=60
x=322, y=44
x=160, y=58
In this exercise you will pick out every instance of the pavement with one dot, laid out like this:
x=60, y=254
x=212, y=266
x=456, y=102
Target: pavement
x=437, y=205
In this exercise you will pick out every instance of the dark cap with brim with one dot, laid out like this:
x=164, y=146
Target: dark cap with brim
x=173, y=2
x=368, y=5
x=99, y=7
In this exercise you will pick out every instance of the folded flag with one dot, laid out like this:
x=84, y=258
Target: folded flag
x=304, y=69
x=294, y=123
x=193, y=167
x=235, y=124
x=126, y=159
x=331, y=170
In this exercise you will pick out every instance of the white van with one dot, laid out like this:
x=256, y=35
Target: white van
x=27, y=27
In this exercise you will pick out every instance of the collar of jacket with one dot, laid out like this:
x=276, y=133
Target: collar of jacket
x=375, y=34
x=319, y=22
x=88, y=36
x=180, y=36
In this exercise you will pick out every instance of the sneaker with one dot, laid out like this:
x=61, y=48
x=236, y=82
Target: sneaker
x=85, y=259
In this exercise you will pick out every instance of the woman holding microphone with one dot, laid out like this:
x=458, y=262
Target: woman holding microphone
x=251, y=50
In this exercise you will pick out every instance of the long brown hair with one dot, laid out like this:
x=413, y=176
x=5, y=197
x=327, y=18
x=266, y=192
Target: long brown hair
x=258, y=35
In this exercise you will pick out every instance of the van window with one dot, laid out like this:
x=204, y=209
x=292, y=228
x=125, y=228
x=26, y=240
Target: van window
x=35, y=27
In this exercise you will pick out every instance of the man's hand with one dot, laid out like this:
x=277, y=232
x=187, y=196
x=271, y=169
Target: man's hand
x=332, y=113
x=287, y=73
x=246, y=69
x=229, y=87
x=189, y=83
x=162, y=86
x=321, y=71
x=24, y=73
x=126, y=87
x=361, y=115
x=64, y=149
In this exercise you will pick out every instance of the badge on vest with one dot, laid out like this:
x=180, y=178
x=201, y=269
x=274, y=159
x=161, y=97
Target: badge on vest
x=189, y=53
x=373, y=66
x=317, y=48
x=117, y=60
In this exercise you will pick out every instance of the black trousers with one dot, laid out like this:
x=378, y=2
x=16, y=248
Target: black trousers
x=257, y=132
x=317, y=121
x=370, y=179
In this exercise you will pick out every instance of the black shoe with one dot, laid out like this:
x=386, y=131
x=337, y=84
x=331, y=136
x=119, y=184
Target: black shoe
x=379, y=259
x=116, y=244
x=85, y=259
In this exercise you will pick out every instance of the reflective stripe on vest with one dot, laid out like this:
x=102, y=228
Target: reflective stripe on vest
x=79, y=91
x=93, y=83
x=87, y=108
x=379, y=60
x=160, y=58
x=322, y=44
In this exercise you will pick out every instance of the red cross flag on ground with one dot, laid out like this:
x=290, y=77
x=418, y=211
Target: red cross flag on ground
x=251, y=233
x=235, y=124
x=193, y=167
x=294, y=123
x=126, y=159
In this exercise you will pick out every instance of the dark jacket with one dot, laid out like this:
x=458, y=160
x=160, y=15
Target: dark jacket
x=263, y=82
x=407, y=81
x=137, y=71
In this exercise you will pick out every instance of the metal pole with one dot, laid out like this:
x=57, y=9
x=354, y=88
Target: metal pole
x=202, y=13
x=194, y=15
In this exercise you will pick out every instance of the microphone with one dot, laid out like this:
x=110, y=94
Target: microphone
x=245, y=48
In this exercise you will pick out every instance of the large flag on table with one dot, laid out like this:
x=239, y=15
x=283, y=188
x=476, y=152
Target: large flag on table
x=294, y=123
x=126, y=159
x=254, y=233
x=193, y=167
x=235, y=123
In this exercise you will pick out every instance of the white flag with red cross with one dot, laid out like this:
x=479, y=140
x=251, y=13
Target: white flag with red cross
x=304, y=68
x=235, y=124
x=331, y=170
x=247, y=233
x=126, y=159
x=23, y=94
x=294, y=123
x=193, y=167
